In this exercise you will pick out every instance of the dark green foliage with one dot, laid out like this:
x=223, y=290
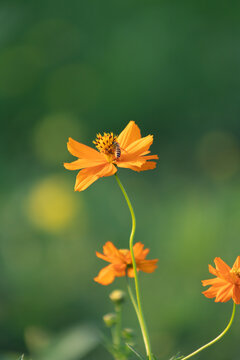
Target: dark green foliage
x=76, y=68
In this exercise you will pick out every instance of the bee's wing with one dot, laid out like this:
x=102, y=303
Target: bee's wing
x=122, y=149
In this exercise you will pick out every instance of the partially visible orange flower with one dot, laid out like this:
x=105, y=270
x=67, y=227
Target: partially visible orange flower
x=226, y=285
x=128, y=150
x=121, y=262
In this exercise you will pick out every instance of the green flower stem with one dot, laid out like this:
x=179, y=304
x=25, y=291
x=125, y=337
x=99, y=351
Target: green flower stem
x=117, y=337
x=116, y=334
x=216, y=339
x=133, y=301
x=137, y=312
x=139, y=306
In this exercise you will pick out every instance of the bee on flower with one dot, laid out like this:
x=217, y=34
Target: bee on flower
x=118, y=150
x=127, y=150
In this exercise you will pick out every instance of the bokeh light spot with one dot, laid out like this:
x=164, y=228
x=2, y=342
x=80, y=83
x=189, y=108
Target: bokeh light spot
x=51, y=134
x=219, y=155
x=20, y=67
x=51, y=204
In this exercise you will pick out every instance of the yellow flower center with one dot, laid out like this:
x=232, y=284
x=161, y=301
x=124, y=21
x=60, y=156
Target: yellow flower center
x=106, y=144
x=236, y=272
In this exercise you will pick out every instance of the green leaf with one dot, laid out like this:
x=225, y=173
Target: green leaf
x=11, y=356
x=134, y=351
x=72, y=344
x=176, y=357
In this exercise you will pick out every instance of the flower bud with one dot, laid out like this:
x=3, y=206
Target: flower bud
x=117, y=296
x=110, y=319
x=128, y=334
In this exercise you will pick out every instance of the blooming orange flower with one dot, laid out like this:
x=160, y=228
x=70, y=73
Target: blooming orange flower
x=226, y=285
x=128, y=150
x=121, y=262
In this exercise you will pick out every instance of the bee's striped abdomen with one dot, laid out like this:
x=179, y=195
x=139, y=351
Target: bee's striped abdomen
x=117, y=150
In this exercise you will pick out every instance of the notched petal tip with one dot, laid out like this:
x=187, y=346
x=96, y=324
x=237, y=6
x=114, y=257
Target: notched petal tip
x=149, y=165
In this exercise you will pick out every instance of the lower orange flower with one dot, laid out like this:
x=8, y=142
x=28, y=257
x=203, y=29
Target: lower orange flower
x=226, y=285
x=121, y=262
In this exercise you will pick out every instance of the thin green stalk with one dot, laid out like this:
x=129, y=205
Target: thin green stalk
x=134, y=302
x=116, y=333
x=118, y=325
x=216, y=339
x=140, y=311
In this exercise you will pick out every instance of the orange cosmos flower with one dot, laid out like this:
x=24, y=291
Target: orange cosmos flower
x=121, y=262
x=128, y=150
x=226, y=285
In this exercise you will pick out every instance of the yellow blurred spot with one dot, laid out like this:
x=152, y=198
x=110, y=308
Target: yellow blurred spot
x=219, y=155
x=51, y=205
x=51, y=135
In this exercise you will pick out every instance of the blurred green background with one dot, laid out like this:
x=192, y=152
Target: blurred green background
x=75, y=68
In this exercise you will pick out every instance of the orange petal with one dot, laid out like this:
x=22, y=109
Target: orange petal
x=150, y=157
x=125, y=252
x=149, y=165
x=140, y=146
x=224, y=297
x=224, y=293
x=216, y=282
x=112, y=253
x=130, y=134
x=84, y=179
x=139, y=252
x=130, y=272
x=138, y=248
x=131, y=158
x=223, y=269
x=135, y=162
x=106, y=275
x=120, y=269
x=87, y=176
x=127, y=255
x=103, y=257
x=83, y=151
x=131, y=165
x=212, y=270
x=83, y=163
x=147, y=266
x=236, y=265
x=109, y=249
x=211, y=292
x=236, y=294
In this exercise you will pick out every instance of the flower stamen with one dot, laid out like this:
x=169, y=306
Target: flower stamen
x=106, y=143
x=235, y=271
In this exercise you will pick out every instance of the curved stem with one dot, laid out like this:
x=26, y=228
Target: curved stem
x=139, y=306
x=216, y=339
